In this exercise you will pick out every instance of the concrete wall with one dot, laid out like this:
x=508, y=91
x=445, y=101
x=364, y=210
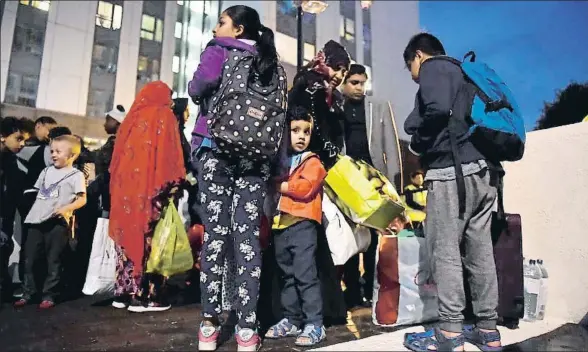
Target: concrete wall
x=67, y=54
x=549, y=188
x=8, y=24
x=128, y=55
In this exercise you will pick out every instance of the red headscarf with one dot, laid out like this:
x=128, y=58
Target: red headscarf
x=147, y=160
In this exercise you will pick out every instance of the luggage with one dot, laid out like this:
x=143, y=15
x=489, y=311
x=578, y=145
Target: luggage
x=507, y=239
x=404, y=291
x=345, y=239
x=362, y=193
x=508, y=255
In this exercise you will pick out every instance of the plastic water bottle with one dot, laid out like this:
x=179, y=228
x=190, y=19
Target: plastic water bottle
x=542, y=299
x=532, y=275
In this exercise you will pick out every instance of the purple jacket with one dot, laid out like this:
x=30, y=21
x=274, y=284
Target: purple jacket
x=207, y=79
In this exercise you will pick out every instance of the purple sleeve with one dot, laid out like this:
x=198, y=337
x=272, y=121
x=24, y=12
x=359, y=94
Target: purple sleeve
x=208, y=74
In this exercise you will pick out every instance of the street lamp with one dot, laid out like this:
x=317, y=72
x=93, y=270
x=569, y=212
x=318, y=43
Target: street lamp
x=365, y=4
x=310, y=6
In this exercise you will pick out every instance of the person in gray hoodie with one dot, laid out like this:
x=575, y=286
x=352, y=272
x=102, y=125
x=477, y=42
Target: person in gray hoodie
x=441, y=110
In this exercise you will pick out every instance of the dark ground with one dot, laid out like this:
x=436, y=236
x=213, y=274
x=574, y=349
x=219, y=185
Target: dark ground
x=91, y=325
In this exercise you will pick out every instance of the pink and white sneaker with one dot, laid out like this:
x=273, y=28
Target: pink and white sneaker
x=247, y=340
x=208, y=337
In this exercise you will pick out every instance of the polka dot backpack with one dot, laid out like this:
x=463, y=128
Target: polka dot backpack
x=248, y=117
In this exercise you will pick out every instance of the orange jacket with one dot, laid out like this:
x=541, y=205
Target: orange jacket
x=305, y=190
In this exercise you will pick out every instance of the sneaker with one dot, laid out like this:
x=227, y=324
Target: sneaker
x=121, y=302
x=247, y=340
x=18, y=293
x=21, y=303
x=46, y=304
x=139, y=307
x=207, y=337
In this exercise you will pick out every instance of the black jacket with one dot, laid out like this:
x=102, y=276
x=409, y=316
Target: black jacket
x=437, y=99
x=309, y=92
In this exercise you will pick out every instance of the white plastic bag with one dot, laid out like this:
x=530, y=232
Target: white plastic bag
x=184, y=211
x=404, y=291
x=102, y=268
x=345, y=239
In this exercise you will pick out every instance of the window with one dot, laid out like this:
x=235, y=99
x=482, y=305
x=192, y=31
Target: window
x=108, y=15
x=28, y=40
x=176, y=64
x=104, y=65
x=143, y=64
x=151, y=28
x=347, y=29
x=147, y=27
x=41, y=5
x=178, y=30
x=180, y=2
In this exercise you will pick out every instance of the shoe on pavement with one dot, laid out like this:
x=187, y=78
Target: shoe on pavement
x=139, y=307
x=46, y=304
x=21, y=303
x=121, y=302
x=208, y=335
x=247, y=340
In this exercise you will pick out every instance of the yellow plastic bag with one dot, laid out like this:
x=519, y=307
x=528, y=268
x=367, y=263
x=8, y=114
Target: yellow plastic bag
x=170, y=247
x=363, y=193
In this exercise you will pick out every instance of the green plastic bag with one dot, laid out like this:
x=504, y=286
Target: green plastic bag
x=170, y=247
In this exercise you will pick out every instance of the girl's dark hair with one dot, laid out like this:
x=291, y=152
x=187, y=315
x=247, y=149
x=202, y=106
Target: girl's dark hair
x=267, y=58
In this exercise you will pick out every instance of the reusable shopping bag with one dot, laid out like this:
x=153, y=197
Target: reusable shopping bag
x=404, y=291
x=362, y=193
x=171, y=253
x=345, y=239
x=101, y=273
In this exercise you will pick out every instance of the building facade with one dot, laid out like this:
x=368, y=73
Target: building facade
x=77, y=59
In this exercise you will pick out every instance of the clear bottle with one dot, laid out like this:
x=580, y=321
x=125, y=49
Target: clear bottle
x=542, y=299
x=532, y=277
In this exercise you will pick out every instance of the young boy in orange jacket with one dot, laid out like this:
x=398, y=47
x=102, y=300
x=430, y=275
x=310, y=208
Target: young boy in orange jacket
x=295, y=238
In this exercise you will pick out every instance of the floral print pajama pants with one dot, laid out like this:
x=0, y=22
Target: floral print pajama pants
x=231, y=195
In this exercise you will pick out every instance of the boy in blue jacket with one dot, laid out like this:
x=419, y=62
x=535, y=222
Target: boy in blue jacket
x=439, y=104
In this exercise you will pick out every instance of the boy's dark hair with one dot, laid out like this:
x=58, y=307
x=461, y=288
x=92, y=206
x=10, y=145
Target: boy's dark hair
x=28, y=125
x=59, y=131
x=355, y=69
x=46, y=120
x=298, y=113
x=425, y=42
x=10, y=125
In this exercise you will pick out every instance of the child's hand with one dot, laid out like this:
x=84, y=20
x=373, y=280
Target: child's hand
x=284, y=187
x=62, y=213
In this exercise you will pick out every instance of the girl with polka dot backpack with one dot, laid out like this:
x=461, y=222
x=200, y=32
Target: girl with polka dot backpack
x=238, y=144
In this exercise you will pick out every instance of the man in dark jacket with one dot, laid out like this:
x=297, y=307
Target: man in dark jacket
x=441, y=108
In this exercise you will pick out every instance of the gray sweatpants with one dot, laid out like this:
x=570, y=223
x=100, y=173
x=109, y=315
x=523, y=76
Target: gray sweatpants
x=446, y=234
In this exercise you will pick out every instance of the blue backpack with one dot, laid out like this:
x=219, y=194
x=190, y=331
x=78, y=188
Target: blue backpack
x=497, y=126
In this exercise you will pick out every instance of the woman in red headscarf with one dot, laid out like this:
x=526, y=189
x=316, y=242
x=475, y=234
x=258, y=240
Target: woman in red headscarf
x=146, y=170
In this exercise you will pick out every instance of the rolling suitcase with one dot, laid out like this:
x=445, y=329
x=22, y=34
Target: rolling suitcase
x=507, y=240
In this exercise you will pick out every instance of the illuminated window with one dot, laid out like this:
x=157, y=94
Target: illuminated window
x=159, y=31
x=147, y=27
x=151, y=28
x=347, y=29
x=178, y=30
x=108, y=15
x=41, y=5
x=176, y=64
x=143, y=64
x=180, y=2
